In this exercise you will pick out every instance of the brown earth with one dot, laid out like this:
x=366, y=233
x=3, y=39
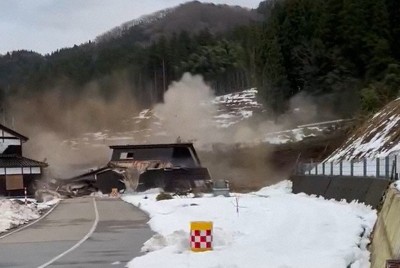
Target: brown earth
x=249, y=168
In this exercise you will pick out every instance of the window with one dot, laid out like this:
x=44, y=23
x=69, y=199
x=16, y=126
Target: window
x=126, y=155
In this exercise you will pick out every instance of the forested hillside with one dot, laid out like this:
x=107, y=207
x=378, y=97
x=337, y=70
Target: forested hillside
x=150, y=52
x=343, y=54
x=346, y=51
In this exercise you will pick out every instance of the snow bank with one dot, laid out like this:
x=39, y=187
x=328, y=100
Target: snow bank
x=274, y=228
x=47, y=205
x=14, y=212
x=397, y=185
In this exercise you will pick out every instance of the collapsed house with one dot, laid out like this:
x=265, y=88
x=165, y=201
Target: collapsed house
x=16, y=171
x=171, y=167
x=103, y=179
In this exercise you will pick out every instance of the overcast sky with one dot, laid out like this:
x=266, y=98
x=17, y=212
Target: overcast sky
x=47, y=25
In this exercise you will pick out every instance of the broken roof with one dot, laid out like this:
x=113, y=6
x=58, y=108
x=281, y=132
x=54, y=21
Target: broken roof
x=147, y=146
x=159, y=146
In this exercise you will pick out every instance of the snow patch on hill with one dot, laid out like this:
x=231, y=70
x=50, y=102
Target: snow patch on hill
x=148, y=125
x=305, y=132
x=230, y=110
x=378, y=137
x=236, y=107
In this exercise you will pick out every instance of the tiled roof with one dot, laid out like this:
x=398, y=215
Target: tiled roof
x=19, y=161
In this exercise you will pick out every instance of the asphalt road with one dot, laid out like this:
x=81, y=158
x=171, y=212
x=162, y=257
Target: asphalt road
x=80, y=232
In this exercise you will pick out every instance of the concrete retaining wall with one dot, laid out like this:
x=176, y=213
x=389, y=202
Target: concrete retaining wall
x=386, y=237
x=364, y=189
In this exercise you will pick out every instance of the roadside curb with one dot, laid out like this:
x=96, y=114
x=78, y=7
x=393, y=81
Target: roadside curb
x=31, y=223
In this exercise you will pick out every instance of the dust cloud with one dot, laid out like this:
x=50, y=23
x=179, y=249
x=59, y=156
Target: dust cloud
x=188, y=113
x=304, y=109
x=237, y=153
x=53, y=119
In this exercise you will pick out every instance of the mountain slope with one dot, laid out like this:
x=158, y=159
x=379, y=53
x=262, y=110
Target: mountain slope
x=378, y=137
x=191, y=17
x=152, y=51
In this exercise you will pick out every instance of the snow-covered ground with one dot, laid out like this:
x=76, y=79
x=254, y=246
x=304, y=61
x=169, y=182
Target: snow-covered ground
x=274, y=228
x=292, y=135
x=14, y=212
x=397, y=184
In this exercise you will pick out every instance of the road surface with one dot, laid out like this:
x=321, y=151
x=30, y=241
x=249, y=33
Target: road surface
x=81, y=232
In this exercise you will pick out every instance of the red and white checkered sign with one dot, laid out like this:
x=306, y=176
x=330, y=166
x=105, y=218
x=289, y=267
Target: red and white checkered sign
x=201, y=239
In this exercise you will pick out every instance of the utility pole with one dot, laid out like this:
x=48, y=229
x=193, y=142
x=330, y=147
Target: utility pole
x=164, y=78
x=5, y=104
x=155, y=86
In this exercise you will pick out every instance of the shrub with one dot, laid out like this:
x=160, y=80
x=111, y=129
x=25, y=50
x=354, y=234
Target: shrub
x=163, y=196
x=369, y=100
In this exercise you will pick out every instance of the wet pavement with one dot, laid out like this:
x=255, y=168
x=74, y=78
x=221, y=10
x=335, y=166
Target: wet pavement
x=119, y=231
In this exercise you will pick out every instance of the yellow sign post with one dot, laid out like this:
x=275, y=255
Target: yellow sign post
x=201, y=236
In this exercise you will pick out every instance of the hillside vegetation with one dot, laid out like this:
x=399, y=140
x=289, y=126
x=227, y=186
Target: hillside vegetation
x=343, y=54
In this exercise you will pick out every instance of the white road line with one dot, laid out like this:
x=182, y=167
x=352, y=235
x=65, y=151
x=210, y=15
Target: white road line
x=31, y=223
x=96, y=221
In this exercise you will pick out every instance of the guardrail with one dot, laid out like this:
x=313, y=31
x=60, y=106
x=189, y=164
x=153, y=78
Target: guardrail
x=385, y=167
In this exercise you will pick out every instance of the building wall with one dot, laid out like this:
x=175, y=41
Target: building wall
x=14, y=144
x=28, y=182
x=20, y=170
x=174, y=180
x=8, y=140
x=178, y=156
x=108, y=180
x=386, y=238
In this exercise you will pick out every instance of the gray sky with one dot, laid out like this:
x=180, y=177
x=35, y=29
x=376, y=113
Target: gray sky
x=47, y=25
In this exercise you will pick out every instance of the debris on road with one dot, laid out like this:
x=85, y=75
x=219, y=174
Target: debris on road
x=175, y=168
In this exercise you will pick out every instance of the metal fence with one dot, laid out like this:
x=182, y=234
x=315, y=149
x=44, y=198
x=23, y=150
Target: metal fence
x=386, y=167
